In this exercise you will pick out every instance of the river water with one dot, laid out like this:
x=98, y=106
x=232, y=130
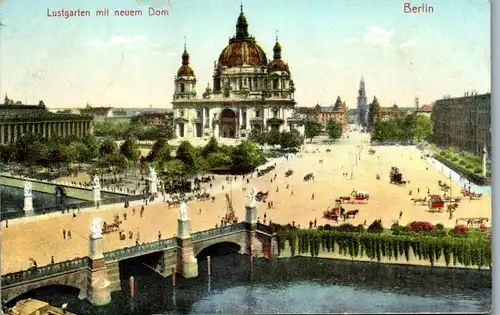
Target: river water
x=293, y=285
x=12, y=199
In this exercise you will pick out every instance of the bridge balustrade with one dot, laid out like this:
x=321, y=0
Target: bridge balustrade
x=132, y=251
x=265, y=228
x=218, y=231
x=49, y=270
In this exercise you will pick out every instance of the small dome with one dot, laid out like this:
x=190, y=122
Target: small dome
x=278, y=65
x=185, y=70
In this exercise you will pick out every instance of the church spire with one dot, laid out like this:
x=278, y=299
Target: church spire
x=242, y=24
x=277, y=48
x=185, y=55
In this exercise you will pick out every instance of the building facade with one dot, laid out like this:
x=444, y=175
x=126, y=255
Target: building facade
x=362, y=105
x=16, y=120
x=463, y=122
x=249, y=92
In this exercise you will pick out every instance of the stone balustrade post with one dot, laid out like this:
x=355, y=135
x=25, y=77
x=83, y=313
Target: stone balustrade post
x=187, y=264
x=98, y=285
x=28, y=199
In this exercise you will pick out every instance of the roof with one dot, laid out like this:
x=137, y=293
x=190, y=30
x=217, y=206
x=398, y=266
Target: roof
x=34, y=112
x=29, y=306
x=426, y=108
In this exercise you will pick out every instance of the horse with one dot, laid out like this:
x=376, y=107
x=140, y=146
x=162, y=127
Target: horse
x=352, y=213
x=453, y=206
x=420, y=200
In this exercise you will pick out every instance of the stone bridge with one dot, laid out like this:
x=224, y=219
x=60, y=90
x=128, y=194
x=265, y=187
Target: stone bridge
x=97, y=275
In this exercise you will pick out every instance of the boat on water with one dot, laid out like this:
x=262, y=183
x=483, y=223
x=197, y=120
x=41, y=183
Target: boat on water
x=36, y=307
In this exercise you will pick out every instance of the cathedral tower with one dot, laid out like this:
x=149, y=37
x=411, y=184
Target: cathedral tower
x=362, y=106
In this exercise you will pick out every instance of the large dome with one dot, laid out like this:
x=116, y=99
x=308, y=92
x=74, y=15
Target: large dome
x=238, y=53
x=242, y=48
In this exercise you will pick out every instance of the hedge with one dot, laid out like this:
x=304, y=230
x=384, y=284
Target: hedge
x=464, y=251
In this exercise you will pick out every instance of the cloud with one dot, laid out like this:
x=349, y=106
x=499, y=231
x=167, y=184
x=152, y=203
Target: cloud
x=313, y=61
x=210, y=44
x=378, y=35
x=119, y=40
x=351, y=40
x=408, y=43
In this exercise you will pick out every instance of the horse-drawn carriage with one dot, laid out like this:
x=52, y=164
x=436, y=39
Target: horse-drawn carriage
x=288, y=173
x=396, y=177
x=308, y=176
x=473, y=222
x=472, y=195
x=436, y=203
x=444, y=186
x=262, y=196
x=419, y=200
x=113, y=227
x=360, y=196
x=333, y=214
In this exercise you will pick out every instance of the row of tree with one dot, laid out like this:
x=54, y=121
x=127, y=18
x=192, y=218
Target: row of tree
x=137, y=128
x=333, y=129
x=189, y=160
x=415, y=127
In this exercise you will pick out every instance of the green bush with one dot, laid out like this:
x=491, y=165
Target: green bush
x=375, y=227
x=439, y=226
x=454, y=158
x=478, y=170
x=462, y=162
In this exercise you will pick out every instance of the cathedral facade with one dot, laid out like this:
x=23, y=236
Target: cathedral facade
x=249, y=92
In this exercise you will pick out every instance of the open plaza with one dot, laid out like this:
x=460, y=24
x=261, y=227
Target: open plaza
x=41, y=237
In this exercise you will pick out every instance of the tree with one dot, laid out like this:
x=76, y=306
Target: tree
x=211, y=147
x=160, y=151
x=312, y=129
x=187, y=154
x=291, y=139
x=273, y=137
x=173, y=169
x=220, y=160
x=130, y=149
x=108, y=146
x=334, y=129
x=374, y=112
x=114, y=163
x=423, y=127
x=246, y=157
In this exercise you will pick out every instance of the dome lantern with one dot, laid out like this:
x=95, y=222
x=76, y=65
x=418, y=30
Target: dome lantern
x=242, y=25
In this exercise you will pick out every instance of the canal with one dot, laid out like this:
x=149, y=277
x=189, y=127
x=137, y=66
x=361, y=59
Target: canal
x=291, y=285
x=12, y=199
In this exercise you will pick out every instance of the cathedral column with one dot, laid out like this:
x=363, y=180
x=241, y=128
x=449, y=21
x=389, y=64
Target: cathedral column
x=15, y=132
x=82, y=133
x=2, y=133
x=264, y=117
x=33, y=128
x=9, y=134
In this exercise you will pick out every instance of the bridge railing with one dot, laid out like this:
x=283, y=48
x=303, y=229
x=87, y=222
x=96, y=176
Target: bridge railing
x=82, y=205
x=40, y=272
x=218, y=231
x=265, y=228
x=127, y=252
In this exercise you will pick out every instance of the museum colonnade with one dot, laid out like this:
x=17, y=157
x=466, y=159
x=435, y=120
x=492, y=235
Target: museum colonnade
x=10, y=131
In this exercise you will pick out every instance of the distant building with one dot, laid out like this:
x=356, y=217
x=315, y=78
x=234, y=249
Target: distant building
x=154, y=118
x=362, y=105
x=352, y=116
x=16, y=120
x=119, y=115
x=463, y=122
x=425, y=110
x=323, y=114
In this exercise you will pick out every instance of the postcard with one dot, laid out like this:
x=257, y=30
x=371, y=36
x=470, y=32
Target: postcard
x=245, y=157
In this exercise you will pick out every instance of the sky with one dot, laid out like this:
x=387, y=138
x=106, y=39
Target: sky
x=328, y=44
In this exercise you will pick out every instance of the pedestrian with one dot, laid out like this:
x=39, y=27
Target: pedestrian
x=312, y=197
x=64, y=234
x=310, y=224
x=159, y=235
x=418, y=190
x=69, y=234
x=291, y=193
x=133, y=210
x=52, y=259
x=6, y=223
x=400, y=214
x=315, y=222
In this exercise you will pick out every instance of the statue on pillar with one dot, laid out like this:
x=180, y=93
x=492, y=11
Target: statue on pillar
x=95, y=228
x=183, y=212
x=251, y=198
x=95, y=182
x=28, y=188
x=152, y=175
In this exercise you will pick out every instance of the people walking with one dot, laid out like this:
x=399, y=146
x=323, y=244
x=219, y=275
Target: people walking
x=69, y=234
x=64, y=234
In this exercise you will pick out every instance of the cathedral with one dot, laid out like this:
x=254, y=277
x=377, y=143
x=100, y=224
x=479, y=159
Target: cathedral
x=249, y=92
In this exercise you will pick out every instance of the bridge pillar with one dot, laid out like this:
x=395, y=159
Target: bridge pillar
x=98, y=285
x=187, y=264
x=252, y=245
